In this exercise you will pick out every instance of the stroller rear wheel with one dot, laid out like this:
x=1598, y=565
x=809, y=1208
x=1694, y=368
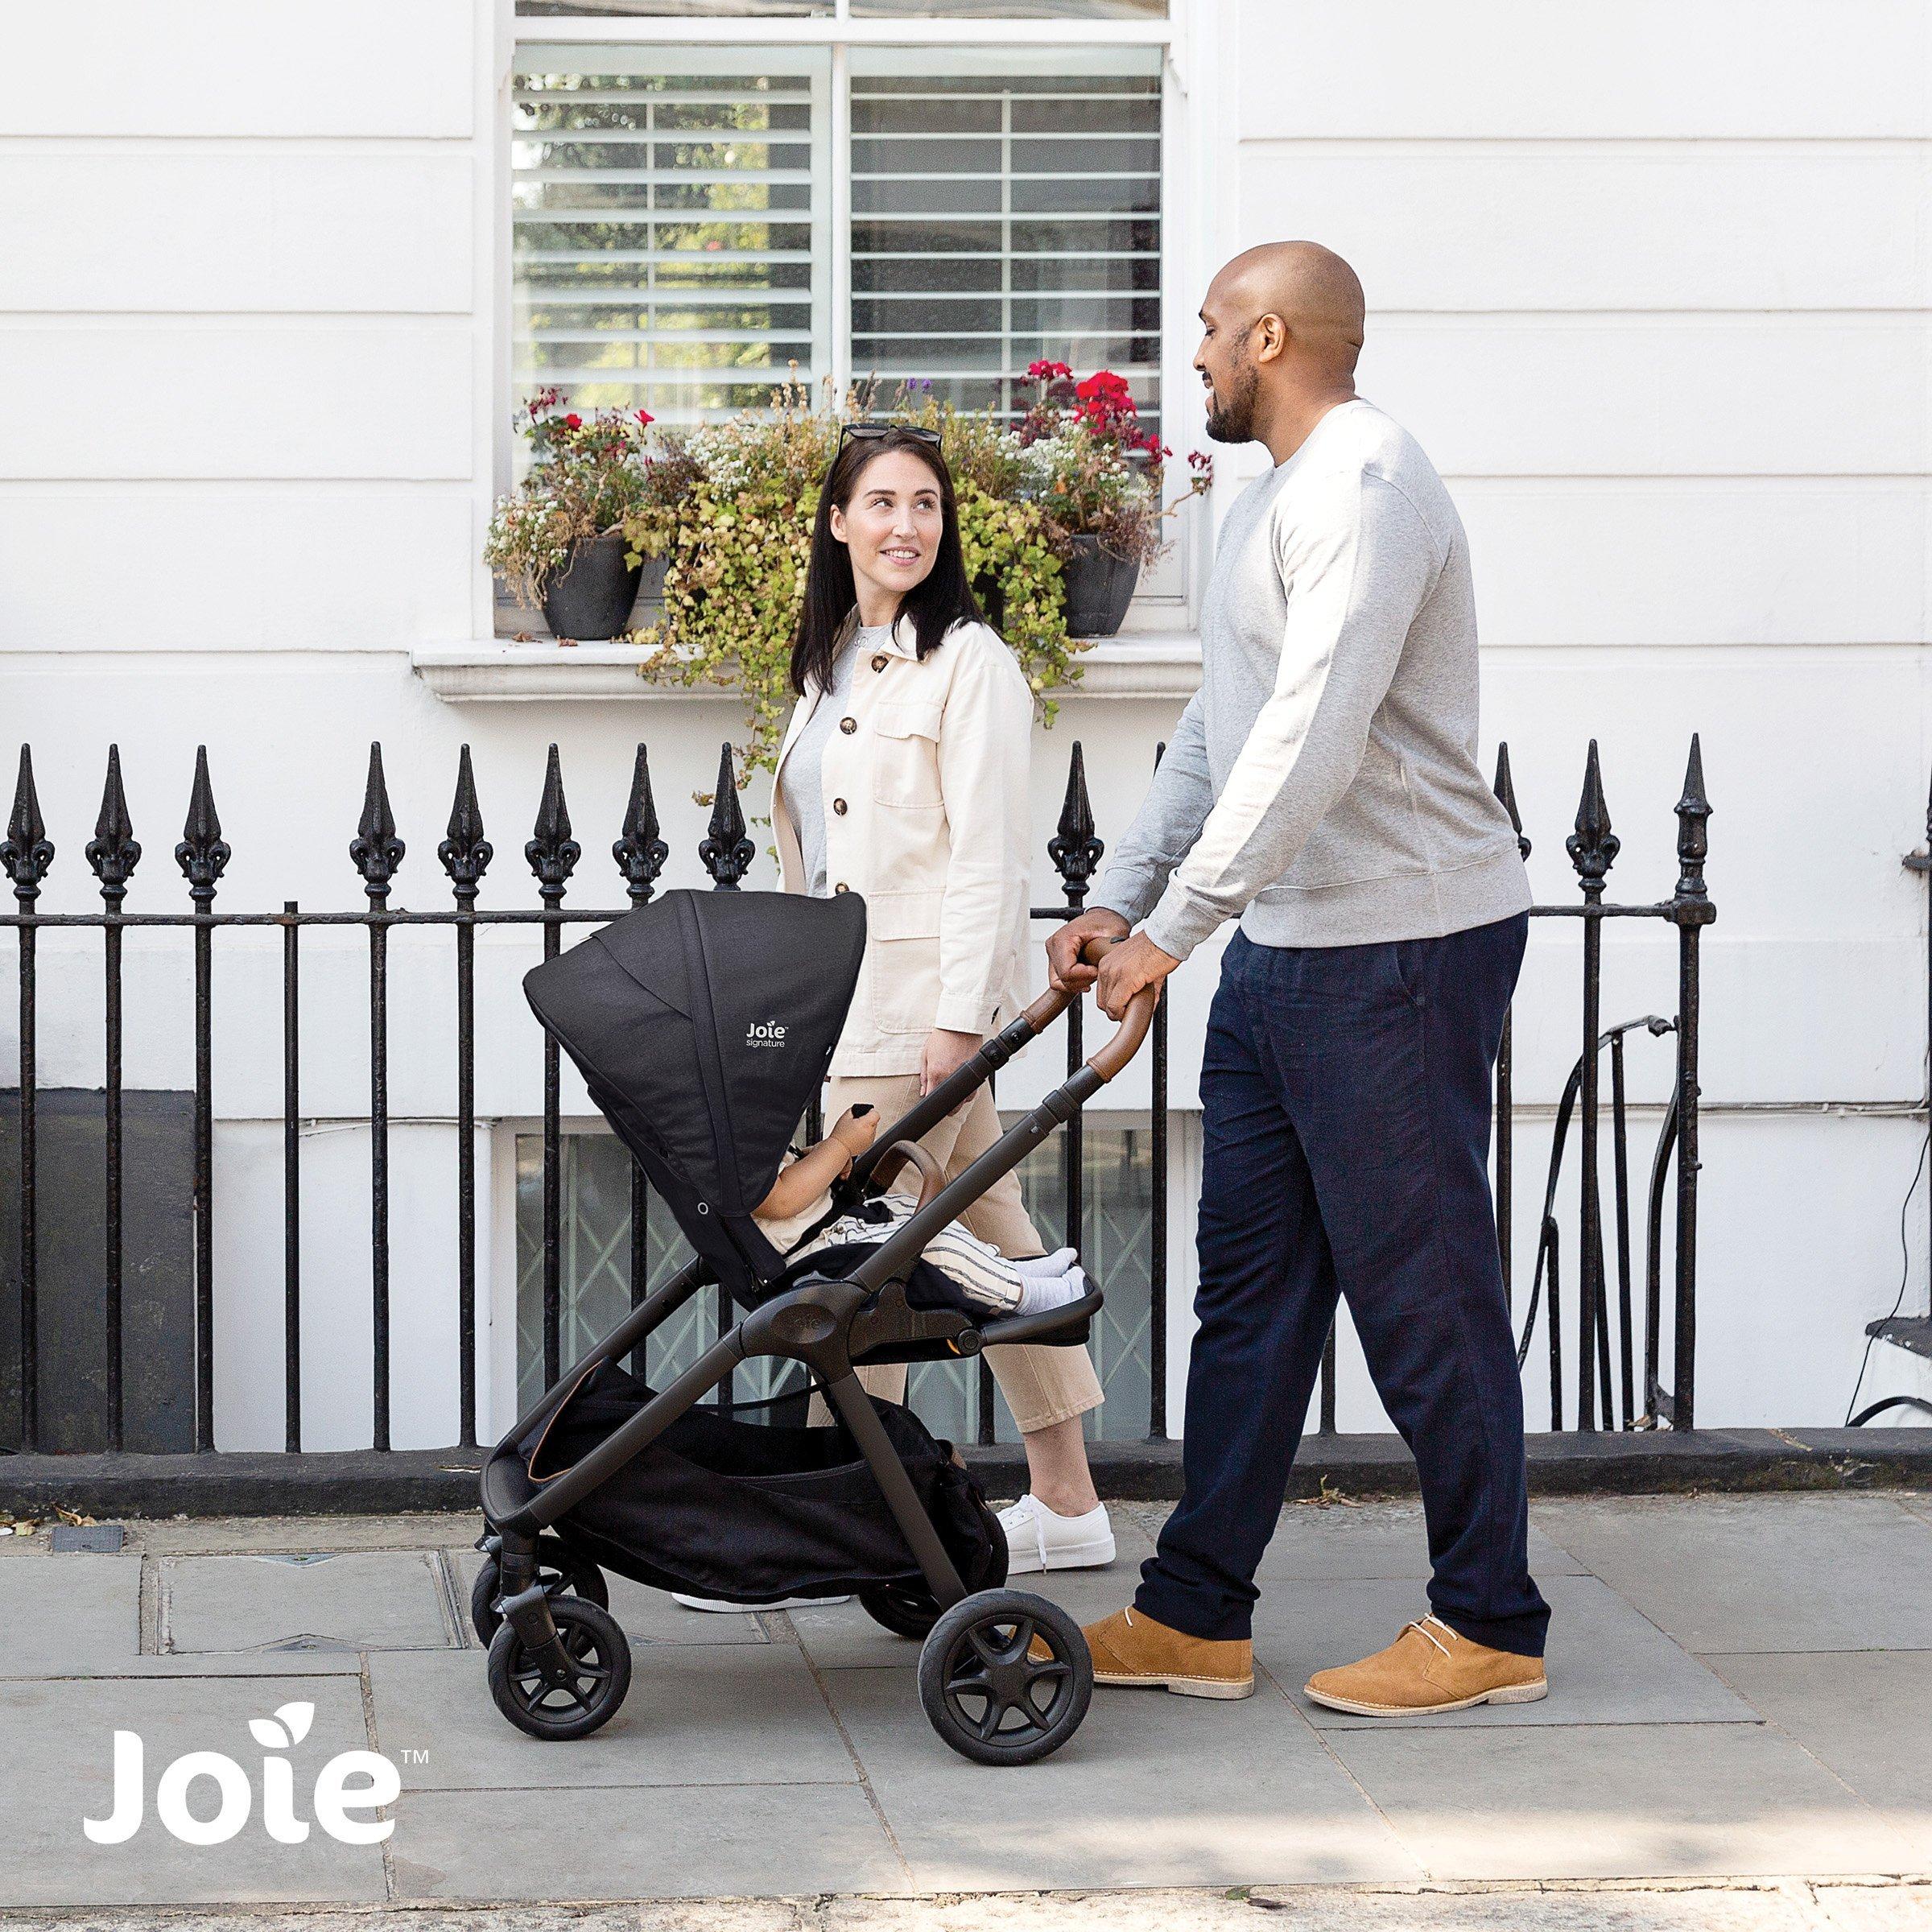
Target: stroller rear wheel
x=905, y=1606
x=560, y=1569
x=987, y=1692
x=598, y=1674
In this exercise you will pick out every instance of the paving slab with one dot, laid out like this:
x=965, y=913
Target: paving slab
x=1874, y=1908
x=1778, y=1573
x=68, y=1614
x=229, y=1535
x=645, y=1616
x=1155, y=1790
x=300, y=1601
x=626, y=1843
x=728, y=1713
x=1866, y=1715
x=58, y=1770
x=1652, y=1801
x=1607, y=1664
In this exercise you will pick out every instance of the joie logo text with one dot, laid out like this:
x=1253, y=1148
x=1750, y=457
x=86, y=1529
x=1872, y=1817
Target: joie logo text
x=351, y=1782
x=764, y=1033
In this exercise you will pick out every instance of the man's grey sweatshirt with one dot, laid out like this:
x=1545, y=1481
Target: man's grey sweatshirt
x=1321, y=785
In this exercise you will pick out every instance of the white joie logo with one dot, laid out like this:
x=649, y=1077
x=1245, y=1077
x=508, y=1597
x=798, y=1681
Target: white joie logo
x=764, y=1033
x=354, y=1781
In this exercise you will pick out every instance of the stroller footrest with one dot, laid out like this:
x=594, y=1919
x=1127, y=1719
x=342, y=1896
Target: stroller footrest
x=1067, y=1323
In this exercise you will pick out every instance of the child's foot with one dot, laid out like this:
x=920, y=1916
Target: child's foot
x=1038, y=1539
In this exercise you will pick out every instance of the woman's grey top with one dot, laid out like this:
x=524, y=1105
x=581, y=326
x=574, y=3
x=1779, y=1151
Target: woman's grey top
x=805, y=762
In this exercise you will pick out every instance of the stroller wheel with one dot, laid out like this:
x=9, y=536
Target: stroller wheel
x=904, y=1607
x=558, y=1570
x=600, y=1674
x=989, y=1694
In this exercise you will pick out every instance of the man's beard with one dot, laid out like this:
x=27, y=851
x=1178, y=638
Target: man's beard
x=1232, y=421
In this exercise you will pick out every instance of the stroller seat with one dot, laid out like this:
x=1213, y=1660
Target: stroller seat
x=703, y=1025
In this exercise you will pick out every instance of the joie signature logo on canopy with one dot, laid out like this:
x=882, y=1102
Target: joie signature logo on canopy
x=354, y=1781
x=764, y=1033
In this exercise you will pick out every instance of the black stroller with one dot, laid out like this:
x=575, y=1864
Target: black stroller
x=703, y=1025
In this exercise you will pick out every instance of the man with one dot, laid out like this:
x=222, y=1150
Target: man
x=1322, y=788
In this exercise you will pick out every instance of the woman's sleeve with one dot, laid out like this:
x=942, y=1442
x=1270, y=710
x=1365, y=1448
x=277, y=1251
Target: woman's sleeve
x=985, y=749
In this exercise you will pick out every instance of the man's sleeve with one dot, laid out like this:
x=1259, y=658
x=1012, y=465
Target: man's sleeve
x=1357, y=578
x=1168, y=821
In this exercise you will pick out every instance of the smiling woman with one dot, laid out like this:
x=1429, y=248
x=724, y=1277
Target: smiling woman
x=903, y=778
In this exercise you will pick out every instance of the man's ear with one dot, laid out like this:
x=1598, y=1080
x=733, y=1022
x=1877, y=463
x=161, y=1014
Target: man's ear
x=1269, y=336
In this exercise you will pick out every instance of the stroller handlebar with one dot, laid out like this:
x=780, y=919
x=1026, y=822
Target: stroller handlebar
x=1126, y=1042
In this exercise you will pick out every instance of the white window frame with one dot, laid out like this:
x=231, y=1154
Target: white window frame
x=1192, y=159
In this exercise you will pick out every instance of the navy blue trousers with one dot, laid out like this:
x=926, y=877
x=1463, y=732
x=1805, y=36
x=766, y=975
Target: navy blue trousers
x=1346, y=1097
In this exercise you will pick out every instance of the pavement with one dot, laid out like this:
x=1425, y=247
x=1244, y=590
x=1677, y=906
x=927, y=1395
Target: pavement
x=1739, y=1734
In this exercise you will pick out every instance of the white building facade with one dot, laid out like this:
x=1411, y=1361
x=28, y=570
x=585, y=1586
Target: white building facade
x=1649, y=281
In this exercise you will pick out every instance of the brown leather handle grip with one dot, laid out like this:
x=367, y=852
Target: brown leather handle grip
x=1139, y=1016
x=931, y=1179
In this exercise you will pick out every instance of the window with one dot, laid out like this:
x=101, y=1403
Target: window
x=692, y=223
x=1116, y=1244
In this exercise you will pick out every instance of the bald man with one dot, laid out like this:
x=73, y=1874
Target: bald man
x=1322, y=788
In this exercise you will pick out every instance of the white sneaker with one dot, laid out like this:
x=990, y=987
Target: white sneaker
x=724, y=1604
x=1038, y=1539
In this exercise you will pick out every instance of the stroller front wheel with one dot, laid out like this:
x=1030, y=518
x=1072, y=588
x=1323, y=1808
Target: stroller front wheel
x=558, y=1570
x=1005, y=1677
x=596, y=1677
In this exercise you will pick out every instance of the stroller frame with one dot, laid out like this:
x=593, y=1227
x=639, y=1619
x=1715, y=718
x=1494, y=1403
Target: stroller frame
x=829, y=1326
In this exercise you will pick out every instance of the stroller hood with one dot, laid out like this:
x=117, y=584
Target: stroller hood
x=703, y=1024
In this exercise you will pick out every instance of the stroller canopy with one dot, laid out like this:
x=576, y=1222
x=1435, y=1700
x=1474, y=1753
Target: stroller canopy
x=703, y=1024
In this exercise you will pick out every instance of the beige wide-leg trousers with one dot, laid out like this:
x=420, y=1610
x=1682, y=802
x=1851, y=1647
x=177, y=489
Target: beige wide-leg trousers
x=1041, y=1386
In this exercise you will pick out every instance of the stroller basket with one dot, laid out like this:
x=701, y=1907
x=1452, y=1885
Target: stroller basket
x=754, y=1512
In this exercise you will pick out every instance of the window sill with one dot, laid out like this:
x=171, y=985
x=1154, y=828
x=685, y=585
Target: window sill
x=1163, y=665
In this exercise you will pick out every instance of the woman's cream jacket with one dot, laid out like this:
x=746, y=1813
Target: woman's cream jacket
x=926, y=801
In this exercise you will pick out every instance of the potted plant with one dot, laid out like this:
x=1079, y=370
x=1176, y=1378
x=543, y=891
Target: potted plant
x=1085, y=459
x=559, y=539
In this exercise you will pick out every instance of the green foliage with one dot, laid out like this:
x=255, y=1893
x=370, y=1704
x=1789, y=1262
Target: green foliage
x=738, y=542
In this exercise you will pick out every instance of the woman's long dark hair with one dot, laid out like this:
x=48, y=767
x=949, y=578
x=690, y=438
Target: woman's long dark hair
x=936, y=604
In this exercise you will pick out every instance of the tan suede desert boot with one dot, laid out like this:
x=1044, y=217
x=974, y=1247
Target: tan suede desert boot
x=1429, y=1667
x=1129, y=1648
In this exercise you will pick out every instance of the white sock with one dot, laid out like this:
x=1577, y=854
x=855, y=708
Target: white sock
x=1054, y=1264
x=1041, y=1292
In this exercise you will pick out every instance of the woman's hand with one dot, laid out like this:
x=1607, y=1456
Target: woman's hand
x=946, y=1052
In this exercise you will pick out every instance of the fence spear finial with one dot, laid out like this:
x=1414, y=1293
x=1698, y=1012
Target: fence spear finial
x=202, y=855
x=1505, y=789
x=1693, y=816
x=465, y=853
x=639, y=853
x=113, y=852
x=1593, y=846
x=1074, y=848
x=726, y=851
x=552, y=853
x=27, y=853
x=375, y=851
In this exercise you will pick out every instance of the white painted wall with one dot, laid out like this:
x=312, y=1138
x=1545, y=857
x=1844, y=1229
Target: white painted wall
x=1649, y=281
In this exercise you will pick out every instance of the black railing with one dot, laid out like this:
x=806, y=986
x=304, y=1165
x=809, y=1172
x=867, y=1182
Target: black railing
x=726, y=852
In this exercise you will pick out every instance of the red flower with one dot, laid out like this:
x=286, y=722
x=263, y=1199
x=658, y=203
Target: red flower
x=1105, y=384
x=573, y=421
x=1043, y=371
x=646, y=418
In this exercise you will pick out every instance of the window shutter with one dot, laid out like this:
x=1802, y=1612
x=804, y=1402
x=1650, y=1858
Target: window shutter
x=1003, y=211
x=668, y=212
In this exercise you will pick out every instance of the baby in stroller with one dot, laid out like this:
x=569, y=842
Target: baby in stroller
x=801, y=1197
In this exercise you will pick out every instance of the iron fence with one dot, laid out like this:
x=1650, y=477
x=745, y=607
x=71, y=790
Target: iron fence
x=725, y=851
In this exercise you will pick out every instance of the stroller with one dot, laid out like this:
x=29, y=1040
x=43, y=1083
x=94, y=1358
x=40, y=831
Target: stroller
x=703, y=1025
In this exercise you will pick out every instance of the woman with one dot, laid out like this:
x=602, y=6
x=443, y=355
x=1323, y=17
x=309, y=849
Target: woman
x=903, y=777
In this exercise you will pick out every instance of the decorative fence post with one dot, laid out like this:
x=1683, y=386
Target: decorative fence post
x=113, y=854
x=553, y=855
x=203, y=857
x=465, y=854
x=1691, y=909
x=27, y=853
x=640, y=854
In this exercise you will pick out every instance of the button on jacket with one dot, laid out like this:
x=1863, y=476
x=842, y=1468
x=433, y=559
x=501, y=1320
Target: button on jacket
x=927, y=814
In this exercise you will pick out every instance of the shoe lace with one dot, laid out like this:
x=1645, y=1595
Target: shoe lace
x=1420, y=1625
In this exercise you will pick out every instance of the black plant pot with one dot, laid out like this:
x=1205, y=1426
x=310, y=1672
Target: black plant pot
x=590, y=598
x=1098, y=588
x=991, y=594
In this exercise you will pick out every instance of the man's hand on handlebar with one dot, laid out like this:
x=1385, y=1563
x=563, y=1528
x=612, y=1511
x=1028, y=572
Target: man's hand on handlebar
x=1134, y=963
x=1066, y=971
